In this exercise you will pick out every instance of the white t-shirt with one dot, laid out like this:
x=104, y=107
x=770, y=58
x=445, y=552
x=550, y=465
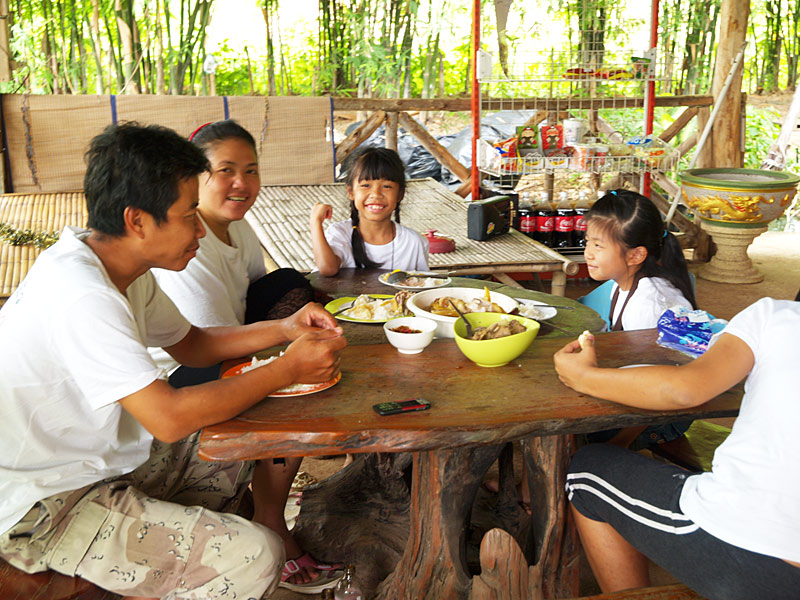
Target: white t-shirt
x=653, y=296
x=408, y=250
x=212, y=290
x=73, y=345
x=751, y=497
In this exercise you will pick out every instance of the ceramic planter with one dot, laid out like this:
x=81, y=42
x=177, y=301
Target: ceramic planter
x=735, y=206
x=738, y=197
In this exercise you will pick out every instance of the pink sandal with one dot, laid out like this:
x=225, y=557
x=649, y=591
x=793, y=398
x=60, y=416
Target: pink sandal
x=329, y=575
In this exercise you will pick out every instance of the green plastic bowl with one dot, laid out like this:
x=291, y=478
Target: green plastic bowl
x=494, y=353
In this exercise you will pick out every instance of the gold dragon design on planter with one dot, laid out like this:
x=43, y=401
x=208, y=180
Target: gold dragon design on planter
x=733, y=207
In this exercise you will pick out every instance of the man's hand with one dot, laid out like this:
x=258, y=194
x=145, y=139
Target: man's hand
x=574, y=360
x=311, y=317
x=314, y=356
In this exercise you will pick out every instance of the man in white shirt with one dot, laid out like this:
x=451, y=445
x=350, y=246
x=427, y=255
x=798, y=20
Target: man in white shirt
x=731, y=533
x=98, y=469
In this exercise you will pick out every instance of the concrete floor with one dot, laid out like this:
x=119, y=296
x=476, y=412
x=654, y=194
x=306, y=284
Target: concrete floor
x=775, y=254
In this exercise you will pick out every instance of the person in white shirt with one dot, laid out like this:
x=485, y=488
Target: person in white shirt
x=227, y=284
x=731, y=533
x=370, y=238
x=99, y=474
x=626, y=241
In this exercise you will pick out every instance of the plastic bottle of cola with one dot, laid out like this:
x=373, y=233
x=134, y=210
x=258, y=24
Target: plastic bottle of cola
x=526, y=216
x=579, y=231
x=545, y=221
x=565, y=223
x=347, y=589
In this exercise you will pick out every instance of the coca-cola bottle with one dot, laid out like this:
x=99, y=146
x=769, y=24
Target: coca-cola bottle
x=545, y=221
x=347, y=589
x=565, y=223
x=526, y=216
x=579, y=231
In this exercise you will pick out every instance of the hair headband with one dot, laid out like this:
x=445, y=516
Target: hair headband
x=196, y=131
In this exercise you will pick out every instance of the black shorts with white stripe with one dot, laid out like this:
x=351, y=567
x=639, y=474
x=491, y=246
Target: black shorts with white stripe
x=639, y=498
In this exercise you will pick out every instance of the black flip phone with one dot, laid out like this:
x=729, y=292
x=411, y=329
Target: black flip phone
x=393, y=408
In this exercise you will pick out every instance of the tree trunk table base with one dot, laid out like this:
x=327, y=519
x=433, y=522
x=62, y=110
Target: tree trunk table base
x=731, y=264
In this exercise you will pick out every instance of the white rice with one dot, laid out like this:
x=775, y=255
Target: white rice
x=289, y=389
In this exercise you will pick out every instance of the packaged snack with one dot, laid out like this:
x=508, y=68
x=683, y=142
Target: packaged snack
x=582, y=157
x=527, y=139
x=688, y=331
x=506, y=151
x=578, y=73
x=552, y=138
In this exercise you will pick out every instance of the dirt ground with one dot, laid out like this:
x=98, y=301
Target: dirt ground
x=775, y=254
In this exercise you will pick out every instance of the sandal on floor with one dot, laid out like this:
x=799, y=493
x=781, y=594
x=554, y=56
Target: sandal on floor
x=329, y=575
x=302, y=480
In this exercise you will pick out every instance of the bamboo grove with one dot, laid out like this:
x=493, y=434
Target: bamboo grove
x=368, y=48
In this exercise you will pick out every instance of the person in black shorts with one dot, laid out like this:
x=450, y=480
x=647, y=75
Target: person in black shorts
x=730, y=533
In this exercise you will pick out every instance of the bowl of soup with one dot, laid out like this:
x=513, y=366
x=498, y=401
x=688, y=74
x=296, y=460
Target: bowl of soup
x=511, y=341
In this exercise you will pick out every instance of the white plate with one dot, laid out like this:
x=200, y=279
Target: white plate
x=548, y=312
x=442, y=281
x=419, y=302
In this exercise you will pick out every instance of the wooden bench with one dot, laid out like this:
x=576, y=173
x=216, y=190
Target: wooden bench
x=695, y=449
x=48, y=585
x=676, y=591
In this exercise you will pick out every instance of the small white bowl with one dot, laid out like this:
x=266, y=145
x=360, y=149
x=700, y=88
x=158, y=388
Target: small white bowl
x=410, y=343
x=421, y=301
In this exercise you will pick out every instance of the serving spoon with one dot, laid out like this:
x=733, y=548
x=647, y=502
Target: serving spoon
x=469, y=327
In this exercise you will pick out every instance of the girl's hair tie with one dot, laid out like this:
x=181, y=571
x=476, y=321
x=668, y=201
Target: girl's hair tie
x=665, y=233
x=196, y=131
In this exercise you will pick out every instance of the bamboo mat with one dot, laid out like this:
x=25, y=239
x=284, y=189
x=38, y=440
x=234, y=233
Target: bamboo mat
x=41, y=213
x=280, y=218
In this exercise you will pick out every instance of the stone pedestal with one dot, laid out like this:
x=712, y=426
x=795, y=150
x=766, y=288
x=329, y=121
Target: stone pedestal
x=731, y=264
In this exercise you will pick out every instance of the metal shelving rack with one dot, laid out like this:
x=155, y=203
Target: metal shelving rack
x=568, y=84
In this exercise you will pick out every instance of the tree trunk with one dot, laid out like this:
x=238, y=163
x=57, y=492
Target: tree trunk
x=124, y=13
x=501, y=9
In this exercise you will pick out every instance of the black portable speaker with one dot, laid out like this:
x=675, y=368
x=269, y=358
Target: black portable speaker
x=488, y=218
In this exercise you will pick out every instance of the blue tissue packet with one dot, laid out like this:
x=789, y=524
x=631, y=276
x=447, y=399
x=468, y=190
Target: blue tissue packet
x=686, y=330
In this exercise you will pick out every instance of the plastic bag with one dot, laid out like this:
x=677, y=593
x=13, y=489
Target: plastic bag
x=688, y=331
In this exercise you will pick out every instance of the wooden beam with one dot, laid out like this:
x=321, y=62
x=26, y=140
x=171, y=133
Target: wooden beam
x=465, y=189
x=546, y=104
x=391, y=131
x=687, y=144
x=679, y=123
x=362, y=132
x=430, y=144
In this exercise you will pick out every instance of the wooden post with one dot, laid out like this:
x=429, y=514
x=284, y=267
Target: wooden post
x=724, y=150
x=391, y=130
x=706, y=158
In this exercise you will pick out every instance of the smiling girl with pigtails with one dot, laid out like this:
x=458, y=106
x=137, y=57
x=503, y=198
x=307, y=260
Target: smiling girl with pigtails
x=375, y=183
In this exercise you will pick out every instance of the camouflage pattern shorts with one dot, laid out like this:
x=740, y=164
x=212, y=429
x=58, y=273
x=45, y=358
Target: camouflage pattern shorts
x=167, y=529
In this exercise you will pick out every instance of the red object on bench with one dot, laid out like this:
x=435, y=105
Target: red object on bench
x=48, y=585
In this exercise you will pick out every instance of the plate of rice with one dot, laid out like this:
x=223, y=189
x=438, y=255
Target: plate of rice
x=533, y=310
x=417, y=280
x=296, y=389
x=367, y=308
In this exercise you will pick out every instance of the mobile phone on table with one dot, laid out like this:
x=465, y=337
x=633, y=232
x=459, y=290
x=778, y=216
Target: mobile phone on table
x=393, y=408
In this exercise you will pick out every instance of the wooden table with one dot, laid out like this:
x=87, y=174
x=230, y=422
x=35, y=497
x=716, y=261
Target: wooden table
x=475, y=411
x=280, y=218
